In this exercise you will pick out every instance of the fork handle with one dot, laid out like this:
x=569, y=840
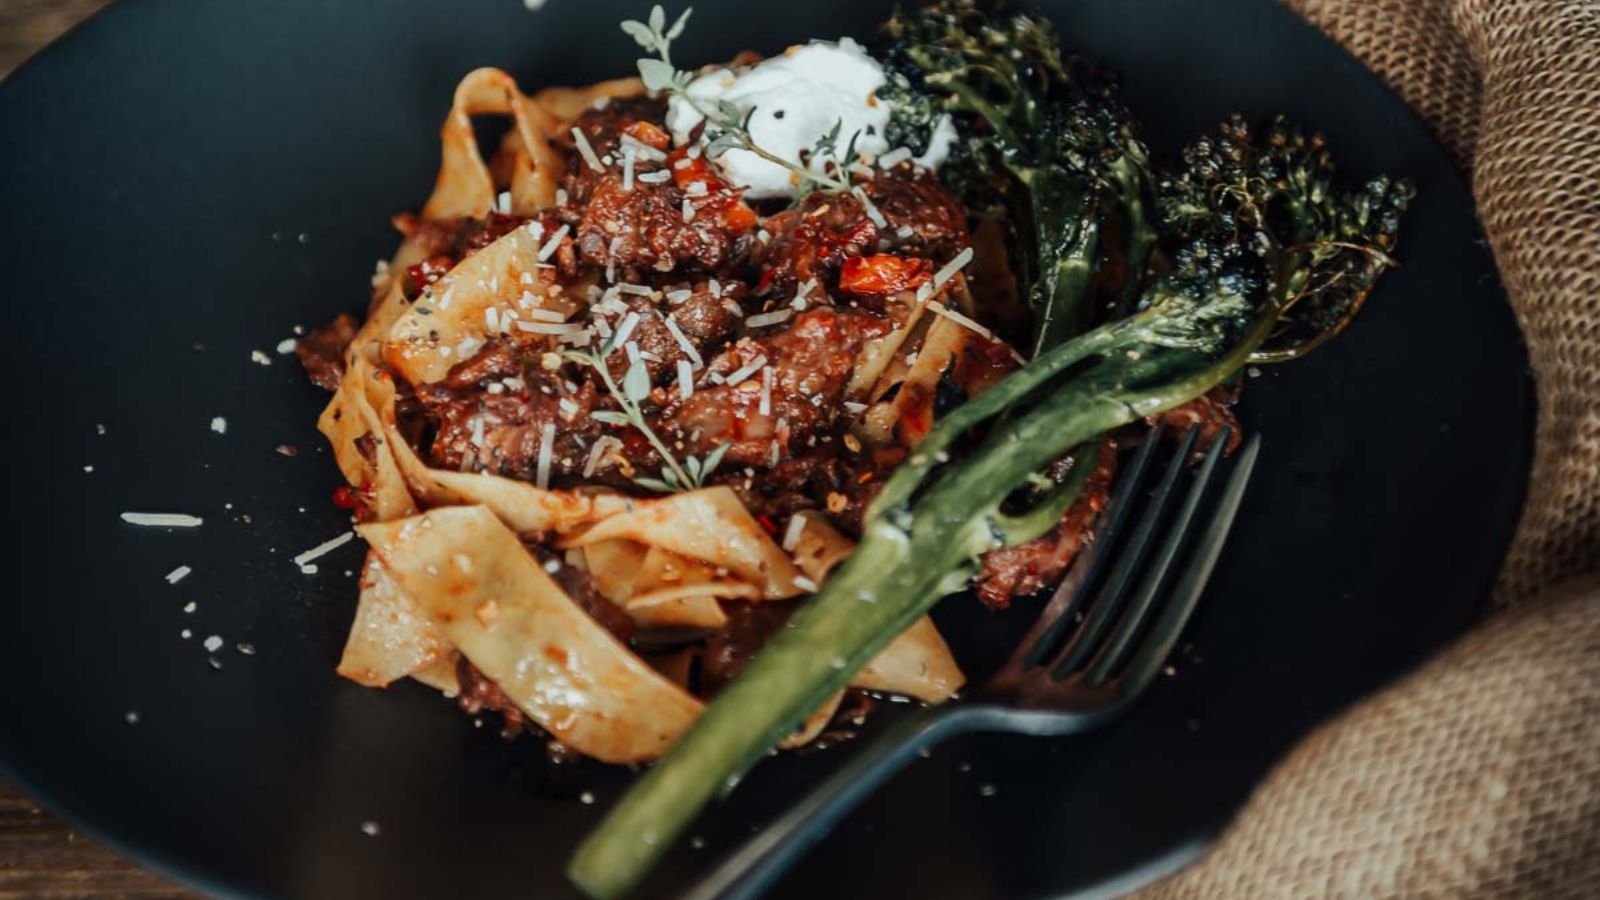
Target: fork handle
x=755, y=865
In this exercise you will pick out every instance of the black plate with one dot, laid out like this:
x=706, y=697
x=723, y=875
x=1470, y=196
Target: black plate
x=184, y=182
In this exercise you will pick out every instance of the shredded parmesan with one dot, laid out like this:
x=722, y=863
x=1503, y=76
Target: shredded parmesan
x=695, y=188
x=597, y=452
x=559, y=328
x=586, y=151
x=791, y=534
x=894, y=157
x=627, y=326
x=547, y=439
x=745, y=371
x=681, y=295
x=549, y=248
x=959, y=319
x=639, y=290
x=659, y=176
x=178, y=574
x=162, y=520
x=688, y=210
x=548, y=315
x=683, y=343
x=870, y=208
x=643, y=150
x=715, y=287
x=951, y=268
x=805, y=584
x=765, y=408
x=502, y=203
x=219, y=425
x=286, y=346
x=324, y=548
x=627, y=168
x=685, y=379
x=256, y=356
x=535, y=231
x=769, y=318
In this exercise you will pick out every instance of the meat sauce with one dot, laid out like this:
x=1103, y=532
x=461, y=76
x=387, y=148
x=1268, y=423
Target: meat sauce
x=823, y=273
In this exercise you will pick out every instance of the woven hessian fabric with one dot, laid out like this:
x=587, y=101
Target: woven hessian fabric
x=1478, y=776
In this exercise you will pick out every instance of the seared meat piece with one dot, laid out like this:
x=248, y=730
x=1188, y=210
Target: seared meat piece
x=1210, y=411
x=749, y=626
x=490, y=413
x=1031, y=567
x=674, y=213
x=812, y=241
x=706, y=322
x=321, y=352
x=811, y=365
x=478, y=693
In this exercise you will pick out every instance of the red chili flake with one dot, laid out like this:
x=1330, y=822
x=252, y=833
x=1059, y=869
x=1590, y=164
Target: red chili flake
x=345, y=497
x=883, y=274
x=768, y=525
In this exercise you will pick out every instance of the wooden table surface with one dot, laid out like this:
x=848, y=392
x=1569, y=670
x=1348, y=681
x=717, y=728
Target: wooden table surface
x=40, y=857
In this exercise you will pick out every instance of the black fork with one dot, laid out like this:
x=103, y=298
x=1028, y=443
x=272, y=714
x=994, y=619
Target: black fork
x=1096, y=647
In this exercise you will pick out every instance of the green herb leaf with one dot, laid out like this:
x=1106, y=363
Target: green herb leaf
x=656, y=75
x=677, y=27
x=654, y=484
x=636, y=384
x=640, y=33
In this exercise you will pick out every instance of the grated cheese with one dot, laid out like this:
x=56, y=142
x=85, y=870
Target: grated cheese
x=769, y=318
x=286, y=346
x=162, y=520
x=765, y=408
x=643, y=150
x=548, y=315
x=627, y=326
x=586, y=151
x=688, y=210
x=949, y=270
x=324, y=548
x=870, y=207
x=502, y=203
x=178, y=574
x=791, y=534
x=627, y=168
x=894, y=157
x=549, y=248
x=745, y=371
x=942, y=310
x=805, y=584
x=659, y=176
x=547, y=439
x=683, y=342
x=219, y=425
x=597, y=452
x=685, y=379
x=559, y=328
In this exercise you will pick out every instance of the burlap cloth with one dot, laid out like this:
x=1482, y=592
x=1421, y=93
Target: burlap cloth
x=1479, y=775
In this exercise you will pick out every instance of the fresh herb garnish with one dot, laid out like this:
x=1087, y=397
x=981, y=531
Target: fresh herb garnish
x=727, y=124
x=692, y=472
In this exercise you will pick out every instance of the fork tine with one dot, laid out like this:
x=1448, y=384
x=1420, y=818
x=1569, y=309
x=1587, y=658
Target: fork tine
x=1107, y=601
x=1107, y=659
x=1056, y=617
x=1157, y=646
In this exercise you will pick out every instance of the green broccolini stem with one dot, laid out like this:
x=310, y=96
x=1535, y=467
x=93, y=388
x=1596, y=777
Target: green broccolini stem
x=912, y=553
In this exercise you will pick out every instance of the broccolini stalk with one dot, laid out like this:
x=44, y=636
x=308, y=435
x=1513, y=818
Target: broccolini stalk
x=1266, y=258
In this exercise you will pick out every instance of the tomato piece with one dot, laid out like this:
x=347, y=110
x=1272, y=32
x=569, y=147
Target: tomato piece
x=648, y=134
x=697, y=168
x=882, y=274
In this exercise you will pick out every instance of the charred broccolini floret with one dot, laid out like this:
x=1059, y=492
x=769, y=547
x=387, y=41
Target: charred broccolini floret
x=1046, y=146
x=1267, y=260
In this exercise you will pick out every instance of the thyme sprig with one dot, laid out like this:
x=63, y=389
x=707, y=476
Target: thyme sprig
x=692, y=472
x=727, y=123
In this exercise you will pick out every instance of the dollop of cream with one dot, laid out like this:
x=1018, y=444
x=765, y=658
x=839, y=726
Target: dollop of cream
x=798, y=98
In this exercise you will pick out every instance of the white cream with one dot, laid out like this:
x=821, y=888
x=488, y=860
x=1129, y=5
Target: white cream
x=798, y=98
